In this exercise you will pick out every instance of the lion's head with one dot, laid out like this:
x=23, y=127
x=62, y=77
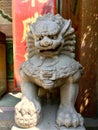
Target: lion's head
x=51, y=35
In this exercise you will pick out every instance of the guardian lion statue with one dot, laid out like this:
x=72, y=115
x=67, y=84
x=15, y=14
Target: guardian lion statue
x=51, y=64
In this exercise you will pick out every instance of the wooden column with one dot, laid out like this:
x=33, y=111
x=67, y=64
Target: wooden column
x=2, y=64
x=84, y=15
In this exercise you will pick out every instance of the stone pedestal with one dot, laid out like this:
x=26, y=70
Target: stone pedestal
x=48, y=128
x=48, y=120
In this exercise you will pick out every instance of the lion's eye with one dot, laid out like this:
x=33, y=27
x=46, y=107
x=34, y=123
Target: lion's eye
x=39, y=38
x=53, y=37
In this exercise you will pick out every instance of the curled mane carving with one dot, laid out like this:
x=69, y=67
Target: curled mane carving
x=51, y=35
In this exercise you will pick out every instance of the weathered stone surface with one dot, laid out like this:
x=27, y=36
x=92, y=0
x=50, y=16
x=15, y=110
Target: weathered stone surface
x=50, y=64
x=48, y=120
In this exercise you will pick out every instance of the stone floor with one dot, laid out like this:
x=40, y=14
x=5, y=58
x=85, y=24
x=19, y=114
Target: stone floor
x=7, y=104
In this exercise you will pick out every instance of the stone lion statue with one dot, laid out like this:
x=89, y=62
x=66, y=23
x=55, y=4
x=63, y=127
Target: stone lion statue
x=51, y=64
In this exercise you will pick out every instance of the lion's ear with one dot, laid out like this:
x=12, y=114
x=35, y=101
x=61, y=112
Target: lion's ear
x=68, y=34
x=31, y=26
x=67, y=23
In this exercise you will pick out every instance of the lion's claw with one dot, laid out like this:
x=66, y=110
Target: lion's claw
x=69, y=118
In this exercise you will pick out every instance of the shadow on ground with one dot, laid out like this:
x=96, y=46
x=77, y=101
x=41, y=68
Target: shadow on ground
x=92, y=128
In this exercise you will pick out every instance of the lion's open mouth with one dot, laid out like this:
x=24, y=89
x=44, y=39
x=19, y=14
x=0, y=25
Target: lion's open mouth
x=51, y=50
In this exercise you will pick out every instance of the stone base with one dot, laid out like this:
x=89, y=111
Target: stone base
x=48, y=128
x=48, y=120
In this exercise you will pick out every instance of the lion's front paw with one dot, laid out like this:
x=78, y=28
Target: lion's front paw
x=27, y=113
x=68, y=117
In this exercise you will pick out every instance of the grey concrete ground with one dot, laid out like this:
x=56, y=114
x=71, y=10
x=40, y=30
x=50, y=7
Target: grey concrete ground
x=7, y=104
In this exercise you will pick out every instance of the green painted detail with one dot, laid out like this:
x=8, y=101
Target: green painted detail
x=5, y=16
x=9, y=60
x=59, y=4
x=75, y=7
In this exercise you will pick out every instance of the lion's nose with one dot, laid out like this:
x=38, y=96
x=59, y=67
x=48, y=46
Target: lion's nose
x=46, y=42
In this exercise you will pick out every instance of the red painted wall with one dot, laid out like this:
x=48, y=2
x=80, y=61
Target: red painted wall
x=25, y=12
